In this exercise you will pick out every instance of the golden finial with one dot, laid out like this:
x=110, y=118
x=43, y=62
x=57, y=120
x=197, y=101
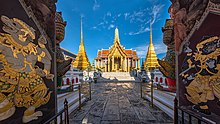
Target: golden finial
x=151, y=38
x=116, y=34
x=81, y=30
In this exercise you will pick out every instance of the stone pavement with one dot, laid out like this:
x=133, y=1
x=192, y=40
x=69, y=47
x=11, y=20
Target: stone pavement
x=118, y=103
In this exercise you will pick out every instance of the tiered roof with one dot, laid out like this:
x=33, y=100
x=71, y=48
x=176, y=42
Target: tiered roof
x=129, y=53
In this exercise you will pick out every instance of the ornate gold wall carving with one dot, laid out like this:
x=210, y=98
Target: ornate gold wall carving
x=21, y=80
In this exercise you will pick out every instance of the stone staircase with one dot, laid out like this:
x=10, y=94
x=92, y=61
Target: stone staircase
x=116, y=76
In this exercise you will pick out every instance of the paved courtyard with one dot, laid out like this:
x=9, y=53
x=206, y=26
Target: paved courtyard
x=118, y=103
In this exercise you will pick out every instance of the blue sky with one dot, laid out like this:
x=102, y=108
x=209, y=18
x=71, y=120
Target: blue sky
x=100, y=17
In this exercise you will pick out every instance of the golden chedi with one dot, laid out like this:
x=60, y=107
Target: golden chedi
x=151, y=58
x=81, y=62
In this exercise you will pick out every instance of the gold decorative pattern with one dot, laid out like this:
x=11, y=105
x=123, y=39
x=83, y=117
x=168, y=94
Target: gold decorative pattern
x=205, y=84
x=21, y=82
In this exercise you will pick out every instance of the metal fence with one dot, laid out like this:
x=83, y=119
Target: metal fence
x=59, y=115
x=185, y=116
x=82, y=88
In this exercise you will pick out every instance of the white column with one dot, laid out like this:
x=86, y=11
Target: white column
x=139, y=63
x=106, y=65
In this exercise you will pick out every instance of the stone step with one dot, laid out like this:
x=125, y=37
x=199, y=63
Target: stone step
x=120, y=76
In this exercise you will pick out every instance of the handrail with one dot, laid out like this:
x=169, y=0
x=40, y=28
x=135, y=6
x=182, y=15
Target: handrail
x=191, y=114
x=66, y=117
x=151, y=89
x=65, y=110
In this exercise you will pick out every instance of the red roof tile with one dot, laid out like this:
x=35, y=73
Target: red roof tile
x=129, y=53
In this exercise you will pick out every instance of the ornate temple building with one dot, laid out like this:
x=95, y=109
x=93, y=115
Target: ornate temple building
x=81, y=62
x=151, y=57
x=117, y=58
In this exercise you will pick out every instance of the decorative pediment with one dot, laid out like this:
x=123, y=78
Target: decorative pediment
x=117, y=46
x=117, y=50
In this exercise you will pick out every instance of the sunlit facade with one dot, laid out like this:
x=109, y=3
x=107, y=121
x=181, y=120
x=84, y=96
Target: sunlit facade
x=117, y=58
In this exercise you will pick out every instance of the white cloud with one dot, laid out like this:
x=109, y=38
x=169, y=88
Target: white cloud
x=109, y=14
x=143, y=18
x=126, y=15
x=142, y=30
x=95, y=5
x=139, y=16
x=111, y=26
x=155, y=12
x=101, y=23
x=94, y=27
x=142, y=50
x=136, y=16
x=107, y=21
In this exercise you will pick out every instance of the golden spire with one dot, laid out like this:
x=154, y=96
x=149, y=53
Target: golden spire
x=151, y=39
x=116, y=35
x=81, y=62
x=151, y=57
x=81, y=30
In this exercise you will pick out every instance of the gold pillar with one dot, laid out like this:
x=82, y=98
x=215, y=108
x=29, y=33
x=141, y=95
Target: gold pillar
x=128, y=64
x=101, y=64
x=121, y=63
x=125, y=64
x=109, y=61
x=97, y=63
x=113, y=63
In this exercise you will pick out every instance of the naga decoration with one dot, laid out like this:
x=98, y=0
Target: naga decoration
x=21, y=82
x=199, y=65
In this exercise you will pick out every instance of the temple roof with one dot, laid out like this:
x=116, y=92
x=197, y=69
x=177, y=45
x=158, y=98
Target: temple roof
x=105, y=53
x=129, y=53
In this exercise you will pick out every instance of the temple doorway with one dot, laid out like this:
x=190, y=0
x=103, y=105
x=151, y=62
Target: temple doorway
x=117, y=64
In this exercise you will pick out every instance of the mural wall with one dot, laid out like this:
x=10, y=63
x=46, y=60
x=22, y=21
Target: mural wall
x=199, y=66
x=27, y=92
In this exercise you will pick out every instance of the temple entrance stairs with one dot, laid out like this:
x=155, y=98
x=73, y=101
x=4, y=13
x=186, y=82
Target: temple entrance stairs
x=116, y=76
